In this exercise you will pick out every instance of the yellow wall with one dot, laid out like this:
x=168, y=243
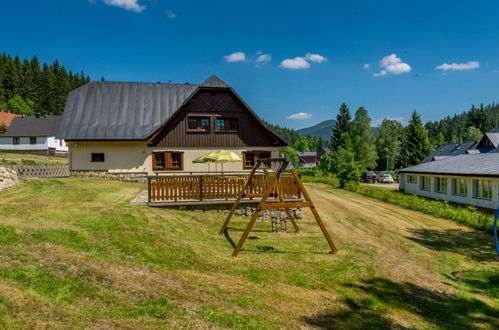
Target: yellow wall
x=136, y=157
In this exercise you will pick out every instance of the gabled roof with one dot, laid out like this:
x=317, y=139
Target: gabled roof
x=6, y=117
x=466, y=165
x=120, y=110
x=215, y=82
x=129, y=111
x=447, y=150
x=34, y=126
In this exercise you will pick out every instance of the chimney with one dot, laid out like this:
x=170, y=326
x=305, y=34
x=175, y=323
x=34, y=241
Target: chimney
x=460, y=141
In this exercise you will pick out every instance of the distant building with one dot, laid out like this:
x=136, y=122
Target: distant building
x=308, y=159
x=466, y=173
x=6, y=118
x=34, y=135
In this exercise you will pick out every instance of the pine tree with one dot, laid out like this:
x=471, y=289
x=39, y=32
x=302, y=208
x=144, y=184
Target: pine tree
x=440, y=140
x=473, y=134
x=364, y=142
x=417, y=143
x=343, y=128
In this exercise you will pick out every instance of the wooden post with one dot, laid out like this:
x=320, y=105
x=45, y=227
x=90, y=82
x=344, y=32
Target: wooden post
x=148, y=189
x=201, y=190
x=256, y=214
x=236, y=204
x=314, y=212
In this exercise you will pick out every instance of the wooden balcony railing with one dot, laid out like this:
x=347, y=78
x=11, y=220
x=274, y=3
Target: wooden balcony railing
x=213, y=187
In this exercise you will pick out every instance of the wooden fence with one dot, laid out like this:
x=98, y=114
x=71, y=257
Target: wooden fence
x=212, y=187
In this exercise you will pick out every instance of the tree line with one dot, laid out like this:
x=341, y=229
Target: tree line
x=29, y=87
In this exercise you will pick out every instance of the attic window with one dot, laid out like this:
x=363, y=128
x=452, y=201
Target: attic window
x=227, y=125
x=198, y=124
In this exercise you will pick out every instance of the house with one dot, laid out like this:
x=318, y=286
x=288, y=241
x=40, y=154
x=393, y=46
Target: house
x=132, y=130
x=469, y=175
x=6, y=118
x=33, y=135
x=488, y=143
x=308, y=159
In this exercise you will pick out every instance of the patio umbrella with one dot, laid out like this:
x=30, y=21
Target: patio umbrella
x=219, y=156
x=201, y=159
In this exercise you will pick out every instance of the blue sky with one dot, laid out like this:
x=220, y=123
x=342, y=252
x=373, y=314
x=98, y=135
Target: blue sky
x=382, y=55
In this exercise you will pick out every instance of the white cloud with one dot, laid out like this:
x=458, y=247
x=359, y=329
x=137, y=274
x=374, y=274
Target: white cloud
x=132, y=5
x=236, y=57
x=299, y=115
x=264, y=58
x=170, y=14
x=459, y=66
x=316, y=58
x=392, y=64
x=297, y=63
x=367, y=66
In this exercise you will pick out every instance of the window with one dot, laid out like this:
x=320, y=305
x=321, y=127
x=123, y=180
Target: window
x=167, y=161
x=441, y=185
x=459, y=187
x=97, y=157
x=251, y=157
x=482, y=189
x=198, y=124
x=425, y=183
x=16, y=140
x=412, y=179
x=227, y=124
x=32, y=140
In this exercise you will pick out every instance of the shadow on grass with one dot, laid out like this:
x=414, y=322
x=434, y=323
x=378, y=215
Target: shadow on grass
x=377, y=297
x=476, y=245
x=261, y=249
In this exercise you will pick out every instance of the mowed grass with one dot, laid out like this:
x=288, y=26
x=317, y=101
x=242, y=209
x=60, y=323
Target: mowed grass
x=12, y=158
x=75, y=254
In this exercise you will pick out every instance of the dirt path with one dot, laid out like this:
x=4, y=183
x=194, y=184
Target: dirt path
x=403, y=244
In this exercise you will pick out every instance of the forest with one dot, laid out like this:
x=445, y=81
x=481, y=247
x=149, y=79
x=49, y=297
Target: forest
x=29, y=87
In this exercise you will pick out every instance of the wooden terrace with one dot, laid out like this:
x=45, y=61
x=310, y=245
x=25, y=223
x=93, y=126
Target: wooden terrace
x=214, y=188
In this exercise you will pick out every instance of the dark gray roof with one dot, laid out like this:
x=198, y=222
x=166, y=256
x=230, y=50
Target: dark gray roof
x=307, y=153
x=493, y=138
x=121, y=110
x=34, y=126
x=214, y=81
x=469, y=165
x=447, y=150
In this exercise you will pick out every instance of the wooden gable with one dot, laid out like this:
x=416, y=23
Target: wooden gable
x=215, y=103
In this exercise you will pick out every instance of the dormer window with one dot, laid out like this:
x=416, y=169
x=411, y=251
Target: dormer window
x=198, y=123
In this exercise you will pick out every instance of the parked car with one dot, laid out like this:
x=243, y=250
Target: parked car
x=385, y=178
x=368, y=177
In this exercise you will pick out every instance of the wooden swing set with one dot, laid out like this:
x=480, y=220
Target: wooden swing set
x=278, y=201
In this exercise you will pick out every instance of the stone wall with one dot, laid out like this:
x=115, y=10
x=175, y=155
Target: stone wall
x=130, y=177
x=8, y=178
x=40, y=171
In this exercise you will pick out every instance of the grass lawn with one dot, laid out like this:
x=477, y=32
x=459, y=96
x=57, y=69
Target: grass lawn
x=75, y=254
x=7, y=158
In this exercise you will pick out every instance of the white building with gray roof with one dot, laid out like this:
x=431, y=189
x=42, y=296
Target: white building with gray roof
x=470, y=178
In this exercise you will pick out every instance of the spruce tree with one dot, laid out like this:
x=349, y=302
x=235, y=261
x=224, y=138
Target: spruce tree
x=343, y=128
x=417, y=143
x=364, y=142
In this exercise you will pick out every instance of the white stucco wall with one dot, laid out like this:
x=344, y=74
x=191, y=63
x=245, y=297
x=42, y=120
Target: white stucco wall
x=414, y=188
x=122, y=157
x=42, y=143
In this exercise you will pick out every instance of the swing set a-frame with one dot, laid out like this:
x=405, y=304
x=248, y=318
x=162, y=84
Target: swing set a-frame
x=277, y=202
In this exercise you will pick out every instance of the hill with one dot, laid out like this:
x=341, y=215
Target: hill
x=322, y=129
